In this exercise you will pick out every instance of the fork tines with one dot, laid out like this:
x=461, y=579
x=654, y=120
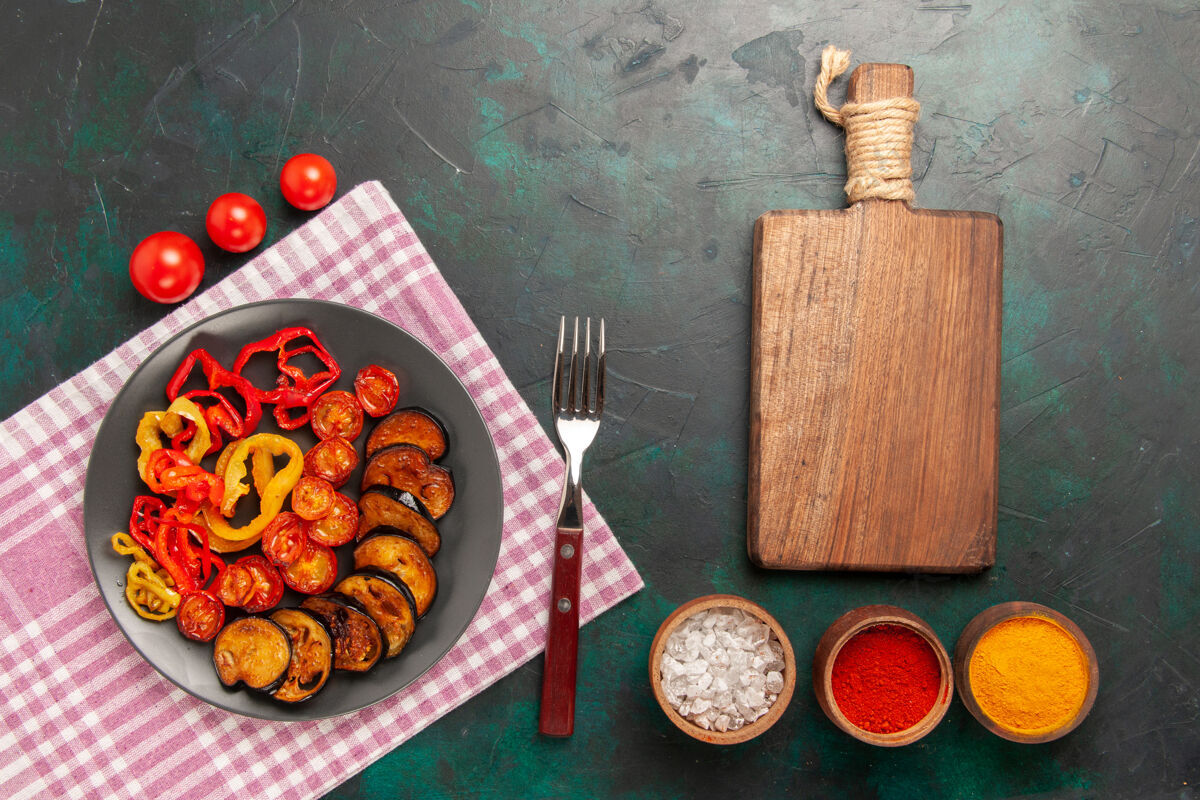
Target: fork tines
x=585, y=401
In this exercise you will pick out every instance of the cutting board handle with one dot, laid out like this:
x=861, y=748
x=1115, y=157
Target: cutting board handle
x=871, y=82
x=878, y=118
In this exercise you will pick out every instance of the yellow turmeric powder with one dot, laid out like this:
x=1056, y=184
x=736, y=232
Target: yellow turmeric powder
x=1029, y=675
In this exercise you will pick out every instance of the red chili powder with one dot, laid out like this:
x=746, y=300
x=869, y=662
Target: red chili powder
x=886, y=679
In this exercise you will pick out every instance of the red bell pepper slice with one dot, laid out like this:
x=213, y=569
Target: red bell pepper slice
x=221, y=416
x=167, y=554
x=195, y=483
x=179, y=441
x=167, y=536
x=295, y=389
x=218, y=378
x=171, y=472
x=160, y=461
x=174, y=546
x=143, y=521
x=288, y=422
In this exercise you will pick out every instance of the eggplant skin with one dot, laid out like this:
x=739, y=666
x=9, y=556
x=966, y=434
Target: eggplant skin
x=414, y=426
x=358, y=643
x=255, y=651
x=312, y=654
x=408, y=467
x=387, y=505
x=388, y=601
x=393, y=551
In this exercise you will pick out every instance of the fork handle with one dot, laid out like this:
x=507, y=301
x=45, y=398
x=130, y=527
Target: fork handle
x=557, y=716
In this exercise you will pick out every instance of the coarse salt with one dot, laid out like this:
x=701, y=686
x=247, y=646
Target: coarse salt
x=722, y=669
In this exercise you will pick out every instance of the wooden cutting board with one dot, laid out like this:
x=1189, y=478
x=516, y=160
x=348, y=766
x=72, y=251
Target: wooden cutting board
x=875, y=377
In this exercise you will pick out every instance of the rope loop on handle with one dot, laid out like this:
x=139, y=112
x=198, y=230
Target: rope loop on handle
x=879, y=136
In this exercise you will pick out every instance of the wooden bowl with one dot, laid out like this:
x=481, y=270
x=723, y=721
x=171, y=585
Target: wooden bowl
x=752, y=729
x=843, y=629
x=990, y=618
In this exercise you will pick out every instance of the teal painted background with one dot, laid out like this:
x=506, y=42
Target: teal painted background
x=610, y=159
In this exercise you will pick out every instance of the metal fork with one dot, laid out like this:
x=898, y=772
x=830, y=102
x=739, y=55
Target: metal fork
x=576, y=423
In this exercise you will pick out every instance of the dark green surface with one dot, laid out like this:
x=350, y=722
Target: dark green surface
x=611, y=158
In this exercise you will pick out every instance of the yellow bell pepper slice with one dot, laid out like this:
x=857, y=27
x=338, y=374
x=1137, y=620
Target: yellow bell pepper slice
x=148, y=593
x=148, y=438
x=219, y=544
x=170, y=422
x=148, y=588
x=271, y=496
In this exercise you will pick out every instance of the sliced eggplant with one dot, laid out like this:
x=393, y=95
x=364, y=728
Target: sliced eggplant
x=391, y=550
x=408, y=468
x=410, y=426
x=252, y=650
x=389, y=602
x=386, y=505
x=312, y=654
x=357, y=641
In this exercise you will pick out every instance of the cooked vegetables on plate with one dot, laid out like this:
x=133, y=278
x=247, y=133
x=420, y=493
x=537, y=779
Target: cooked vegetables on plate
x=264, y=491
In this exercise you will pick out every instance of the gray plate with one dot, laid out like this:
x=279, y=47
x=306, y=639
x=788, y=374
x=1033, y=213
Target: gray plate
x=470, y=531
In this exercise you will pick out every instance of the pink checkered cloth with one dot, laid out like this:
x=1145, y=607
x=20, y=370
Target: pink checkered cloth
x=85, y=716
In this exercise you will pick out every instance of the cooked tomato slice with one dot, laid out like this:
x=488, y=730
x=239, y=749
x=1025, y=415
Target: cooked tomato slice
x=234, y=585
x=337, y=414
x=268, y=584
x=314, y=572
x=283, y=540
x=332, y=459
x=312, y=498
x=338, y=527
x=200, y=616
x=377, y=390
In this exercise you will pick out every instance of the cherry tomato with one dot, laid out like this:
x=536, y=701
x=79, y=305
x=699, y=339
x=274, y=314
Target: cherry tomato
x=338, y=527
x=236, y=222
x=377, y=390
x=268, y=584
x=166, y=267
x=312, y=498
x=234, y=585
x=283, y=540
x=332, y=459
x=199, y=616
x=314, y=572
x=337, y=414
x=308, y=181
